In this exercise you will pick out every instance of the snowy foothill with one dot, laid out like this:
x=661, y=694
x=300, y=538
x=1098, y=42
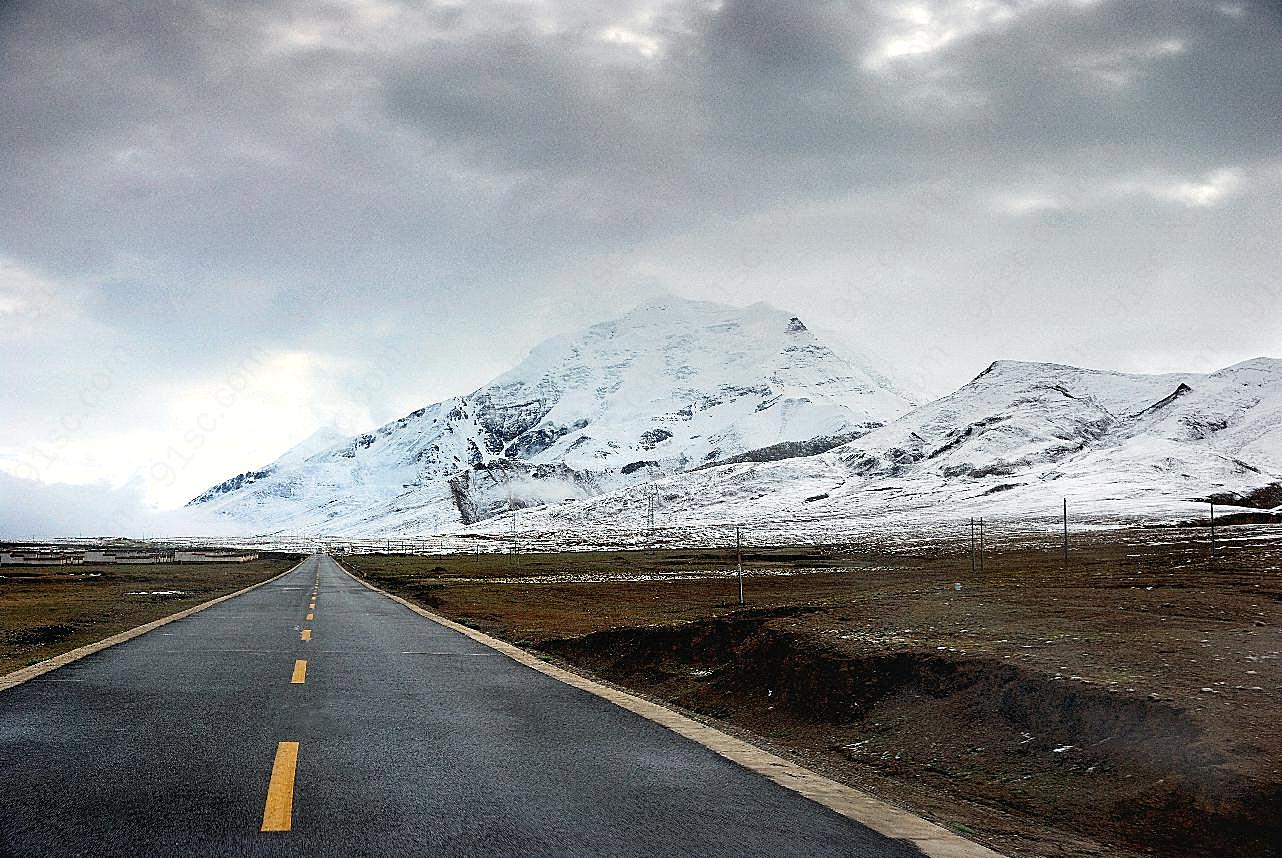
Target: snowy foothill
x=670, y=387
x=1011, y=445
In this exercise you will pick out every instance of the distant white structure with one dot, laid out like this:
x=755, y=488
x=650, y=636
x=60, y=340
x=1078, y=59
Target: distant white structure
x=108, y=555
x=119, y=556
x=214, y=556
x=39, y=558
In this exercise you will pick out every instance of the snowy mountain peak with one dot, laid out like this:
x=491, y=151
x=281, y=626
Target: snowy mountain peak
x=669, y=386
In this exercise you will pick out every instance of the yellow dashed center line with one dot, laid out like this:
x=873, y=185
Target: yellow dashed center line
x=278, y=812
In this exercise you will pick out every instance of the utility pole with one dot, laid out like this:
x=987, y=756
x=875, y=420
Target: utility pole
x=738, y=550
x=511, y=505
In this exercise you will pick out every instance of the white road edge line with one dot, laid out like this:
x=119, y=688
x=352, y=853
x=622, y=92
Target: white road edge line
x=9, y=680
x=885, y=819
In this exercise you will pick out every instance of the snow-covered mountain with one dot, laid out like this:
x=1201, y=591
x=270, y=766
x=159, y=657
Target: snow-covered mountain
x=1013, y=441
x=671, y=386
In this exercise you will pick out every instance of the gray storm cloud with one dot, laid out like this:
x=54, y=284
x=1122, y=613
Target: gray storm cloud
x=399, y=184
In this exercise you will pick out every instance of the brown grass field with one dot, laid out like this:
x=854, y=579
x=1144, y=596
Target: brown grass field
x=48, y=610
x=1127, y=703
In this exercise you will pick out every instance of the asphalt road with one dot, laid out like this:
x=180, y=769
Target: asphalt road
x=410, y=739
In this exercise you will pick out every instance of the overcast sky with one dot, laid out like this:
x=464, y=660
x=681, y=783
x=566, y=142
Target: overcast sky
x=223, y=225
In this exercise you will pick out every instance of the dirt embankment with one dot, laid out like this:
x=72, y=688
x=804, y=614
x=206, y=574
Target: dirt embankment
x=999, y=734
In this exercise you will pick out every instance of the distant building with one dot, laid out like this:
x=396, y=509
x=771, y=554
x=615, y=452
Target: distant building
x=134, y=556
x=119, y=556
x=39, y=558
x=215, y=556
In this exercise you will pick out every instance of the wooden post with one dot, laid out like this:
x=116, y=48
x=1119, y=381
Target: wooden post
x=1066, y=533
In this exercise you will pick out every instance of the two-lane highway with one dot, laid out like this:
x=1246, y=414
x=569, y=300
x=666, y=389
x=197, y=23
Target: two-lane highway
x=315, y=716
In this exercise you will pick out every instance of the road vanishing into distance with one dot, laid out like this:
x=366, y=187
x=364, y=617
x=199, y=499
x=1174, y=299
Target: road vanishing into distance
x=314, y=716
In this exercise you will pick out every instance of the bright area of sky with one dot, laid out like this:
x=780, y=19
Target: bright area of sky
x=221, y=228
